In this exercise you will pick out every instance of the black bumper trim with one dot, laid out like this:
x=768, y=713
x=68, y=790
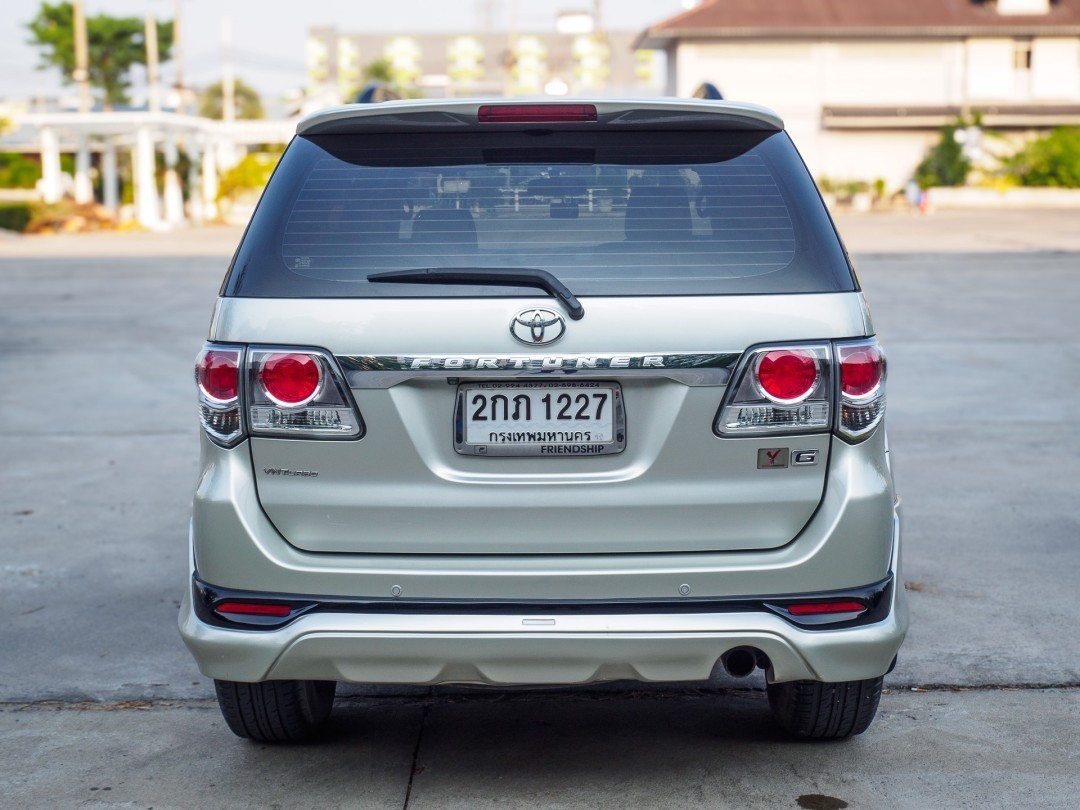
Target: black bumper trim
x=877, y=598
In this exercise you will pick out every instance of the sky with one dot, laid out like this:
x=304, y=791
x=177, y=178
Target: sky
x=269, y=36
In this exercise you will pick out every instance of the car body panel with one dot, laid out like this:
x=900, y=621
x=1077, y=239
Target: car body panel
x=404, y=489
x=846, y=543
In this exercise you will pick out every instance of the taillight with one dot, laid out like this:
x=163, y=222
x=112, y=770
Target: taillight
x=290, y=379
x=795, y=389
x=862, y=387
x=787, y=376
x=277, y=392
x=781, y=389
x=217, y=375
x=299, y=392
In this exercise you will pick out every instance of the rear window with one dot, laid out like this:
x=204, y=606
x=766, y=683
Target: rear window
x=610, y=214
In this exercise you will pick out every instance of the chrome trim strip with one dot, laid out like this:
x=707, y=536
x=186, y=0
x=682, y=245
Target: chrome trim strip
x=688, y=368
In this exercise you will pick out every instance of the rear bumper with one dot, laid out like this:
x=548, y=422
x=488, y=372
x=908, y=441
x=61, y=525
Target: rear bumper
x=537, y=648
x=431, y=649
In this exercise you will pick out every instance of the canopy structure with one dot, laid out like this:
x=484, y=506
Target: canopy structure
x=211, y=146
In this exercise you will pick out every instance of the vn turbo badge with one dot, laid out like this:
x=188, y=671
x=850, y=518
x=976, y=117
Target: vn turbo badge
x=537, y=327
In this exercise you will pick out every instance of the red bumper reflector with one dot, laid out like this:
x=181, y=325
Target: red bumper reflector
x=819, y=608
x=253, y=609
x=535, y=113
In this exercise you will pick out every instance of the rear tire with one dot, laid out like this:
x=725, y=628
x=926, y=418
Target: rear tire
x=275, y=711
x=825, y=711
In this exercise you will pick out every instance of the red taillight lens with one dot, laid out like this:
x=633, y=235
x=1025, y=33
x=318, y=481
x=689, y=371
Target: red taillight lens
x=219, y=374
x=861, y=370
x=253, y=609
x=823, y=608
x=787, y=375
x=290, y=379
x=535, y=113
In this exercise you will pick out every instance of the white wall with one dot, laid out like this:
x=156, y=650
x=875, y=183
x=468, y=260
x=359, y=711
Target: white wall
x=1055, y=69
x=990, y=73
x=798, y=79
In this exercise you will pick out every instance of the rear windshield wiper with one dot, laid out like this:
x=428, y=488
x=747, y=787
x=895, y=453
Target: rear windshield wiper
x=508, y=277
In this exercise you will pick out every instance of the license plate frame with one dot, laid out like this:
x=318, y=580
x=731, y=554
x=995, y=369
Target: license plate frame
x=530, y=430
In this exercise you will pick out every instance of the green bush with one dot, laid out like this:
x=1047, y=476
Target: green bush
x=15, y=216
x=1053, y=160
x=944, y=164
x=249, y=175
x=18, y=171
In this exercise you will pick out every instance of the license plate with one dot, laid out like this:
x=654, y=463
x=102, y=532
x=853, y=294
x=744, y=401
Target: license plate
x=539, y=419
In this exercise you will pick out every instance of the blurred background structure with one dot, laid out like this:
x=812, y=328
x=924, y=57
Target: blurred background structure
x=959, y=102
x=864, y=86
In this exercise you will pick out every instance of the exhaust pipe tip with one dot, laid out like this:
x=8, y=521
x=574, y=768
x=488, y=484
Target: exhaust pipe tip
x=740, y=662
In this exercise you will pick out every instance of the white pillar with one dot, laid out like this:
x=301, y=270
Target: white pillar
x=51, y=186
x=195, y=200
x=174, y=197
x=110, y=179
x=146, y=193
x=209, y=182
x=84, y=189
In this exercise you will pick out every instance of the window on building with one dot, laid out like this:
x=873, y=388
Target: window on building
x=1022, y=54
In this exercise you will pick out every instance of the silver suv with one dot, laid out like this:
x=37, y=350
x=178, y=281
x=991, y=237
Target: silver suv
x=535, y=393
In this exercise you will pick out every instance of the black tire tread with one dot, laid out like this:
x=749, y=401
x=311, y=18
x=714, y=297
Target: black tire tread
x=275, y=711
x=825, y=711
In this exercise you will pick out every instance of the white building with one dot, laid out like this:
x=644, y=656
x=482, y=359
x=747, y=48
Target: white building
x=863, y=85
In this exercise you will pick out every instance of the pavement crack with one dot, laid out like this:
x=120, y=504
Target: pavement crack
x=416, y=755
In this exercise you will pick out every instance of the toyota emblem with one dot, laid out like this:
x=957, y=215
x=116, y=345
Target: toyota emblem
x=537, y=327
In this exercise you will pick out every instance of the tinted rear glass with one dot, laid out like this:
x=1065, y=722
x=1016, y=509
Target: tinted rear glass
x=612, y=213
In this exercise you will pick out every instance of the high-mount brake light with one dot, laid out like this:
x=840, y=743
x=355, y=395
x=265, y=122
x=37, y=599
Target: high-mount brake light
x=536, y=113
x=290, y=380
x=787, y=376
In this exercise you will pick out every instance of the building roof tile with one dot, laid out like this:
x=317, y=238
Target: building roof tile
x=794, y=18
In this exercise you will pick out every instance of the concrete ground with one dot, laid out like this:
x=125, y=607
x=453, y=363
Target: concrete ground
x=100, y=704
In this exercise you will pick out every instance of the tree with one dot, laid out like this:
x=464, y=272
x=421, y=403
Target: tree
x=1053, y=160
x=248, y=103
x=945, y=163
x=114, y=45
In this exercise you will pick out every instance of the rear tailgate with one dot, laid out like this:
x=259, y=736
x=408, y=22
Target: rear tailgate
x=406, y=487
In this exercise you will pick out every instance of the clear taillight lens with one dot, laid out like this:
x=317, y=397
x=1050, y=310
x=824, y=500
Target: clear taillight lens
x=862, y=387
x=780, y=389
x=299, y=393
x=217, y=375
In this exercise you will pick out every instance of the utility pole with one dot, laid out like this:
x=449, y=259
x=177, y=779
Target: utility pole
x=178, y=57
x=82, y=58
x=152, y=79
x=228, y=77
x=511, y=48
